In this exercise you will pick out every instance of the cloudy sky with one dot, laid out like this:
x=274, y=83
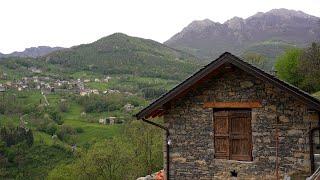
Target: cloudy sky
x=27, y=23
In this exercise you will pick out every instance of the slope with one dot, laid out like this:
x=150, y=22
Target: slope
x=120, y=54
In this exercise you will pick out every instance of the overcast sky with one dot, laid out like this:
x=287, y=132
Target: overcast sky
x=27, y=23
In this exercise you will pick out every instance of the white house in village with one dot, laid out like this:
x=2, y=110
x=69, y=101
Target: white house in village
x=102, y=121
x=112, y=120
x=107, y=79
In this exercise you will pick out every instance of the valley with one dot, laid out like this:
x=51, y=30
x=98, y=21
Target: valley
x=68, y=113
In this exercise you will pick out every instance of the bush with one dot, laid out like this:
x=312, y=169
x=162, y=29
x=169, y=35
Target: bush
x=151, y=93
x=65, y=132
x=51, y=128
x=79, y=130
x=56, y=116
x=64, y=106
x=15, y=135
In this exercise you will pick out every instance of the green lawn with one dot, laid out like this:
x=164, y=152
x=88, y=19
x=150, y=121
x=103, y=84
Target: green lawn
x=101, y=86
x=41, y=137
x=317, y=95
x=92, y=131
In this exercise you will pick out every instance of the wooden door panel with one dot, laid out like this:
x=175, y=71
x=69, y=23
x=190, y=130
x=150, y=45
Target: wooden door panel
x=221, y=135
x=221, y=147
x=221, y=126
x=240, y=135
x=240, y=147
x=232, y=134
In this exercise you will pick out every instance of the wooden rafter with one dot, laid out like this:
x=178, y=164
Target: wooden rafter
x=253, y=104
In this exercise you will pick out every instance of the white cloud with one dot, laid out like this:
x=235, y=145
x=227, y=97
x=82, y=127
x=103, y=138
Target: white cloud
x=71, y=22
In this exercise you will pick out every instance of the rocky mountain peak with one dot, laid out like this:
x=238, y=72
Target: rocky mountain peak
x=33, y=52
x=207, y=39
x=235, y=23
x=200, y=25
x=284, y=13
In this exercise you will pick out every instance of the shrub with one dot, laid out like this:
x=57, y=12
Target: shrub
x=64, y=106
x=79, y=130
x=65, y=132
x=56, y=116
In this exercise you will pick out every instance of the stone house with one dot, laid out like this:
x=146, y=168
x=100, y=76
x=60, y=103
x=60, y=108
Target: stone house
x=112, y=120
x=231, y=119
x=103, y=121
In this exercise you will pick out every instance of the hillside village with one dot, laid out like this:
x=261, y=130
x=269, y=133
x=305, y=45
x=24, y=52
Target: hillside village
x=49, y=85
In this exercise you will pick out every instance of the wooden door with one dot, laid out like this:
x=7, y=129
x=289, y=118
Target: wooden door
x=232, y=134
x=221, y=135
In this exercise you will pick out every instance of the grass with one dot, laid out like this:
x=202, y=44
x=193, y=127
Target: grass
x=5, y=120
x=101, y=86
x=41, y=137
x=317, y=95
x=92, y=131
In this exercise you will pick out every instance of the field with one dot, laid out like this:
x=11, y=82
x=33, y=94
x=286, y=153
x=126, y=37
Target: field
x=91, y=131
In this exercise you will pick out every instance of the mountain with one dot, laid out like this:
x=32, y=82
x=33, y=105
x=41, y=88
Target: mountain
x=33, y=52
x=123, y=54
x=275, y=30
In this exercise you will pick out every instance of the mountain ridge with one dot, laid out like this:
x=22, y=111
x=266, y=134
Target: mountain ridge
x=33, y=52
x=121, y=54
x=207, y=39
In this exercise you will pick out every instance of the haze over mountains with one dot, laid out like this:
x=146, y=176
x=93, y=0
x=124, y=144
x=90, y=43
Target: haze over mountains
x=267, y=33
x=33, y=52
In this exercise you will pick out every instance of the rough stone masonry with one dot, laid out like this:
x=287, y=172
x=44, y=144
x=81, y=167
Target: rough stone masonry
x=191, y=130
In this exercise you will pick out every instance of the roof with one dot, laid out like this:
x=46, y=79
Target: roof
x=156, y=107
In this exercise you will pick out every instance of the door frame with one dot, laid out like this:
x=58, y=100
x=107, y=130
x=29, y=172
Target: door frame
x=311, y=132
x=235, y=109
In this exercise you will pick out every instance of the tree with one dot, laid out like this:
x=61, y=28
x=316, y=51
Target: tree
x=256, y=59
x=147, y=143
x=309, y=67
x=287, y=66
x=137, y=152
x=110, y=159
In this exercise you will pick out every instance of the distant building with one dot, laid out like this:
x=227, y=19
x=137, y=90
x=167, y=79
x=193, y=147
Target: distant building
x=106, y=79
x=83, y=114
x=35, y=70
x=110, y=91
x=2, y=88
x=112, y=120
x=84, y=93
x=94, y=91
x=103, y=121
x=128, y=107
x=9, y=83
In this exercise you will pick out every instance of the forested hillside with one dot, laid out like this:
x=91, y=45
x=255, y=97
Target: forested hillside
x=121, y=54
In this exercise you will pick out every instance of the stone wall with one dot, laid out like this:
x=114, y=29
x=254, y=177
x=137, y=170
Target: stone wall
x=191, y=130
